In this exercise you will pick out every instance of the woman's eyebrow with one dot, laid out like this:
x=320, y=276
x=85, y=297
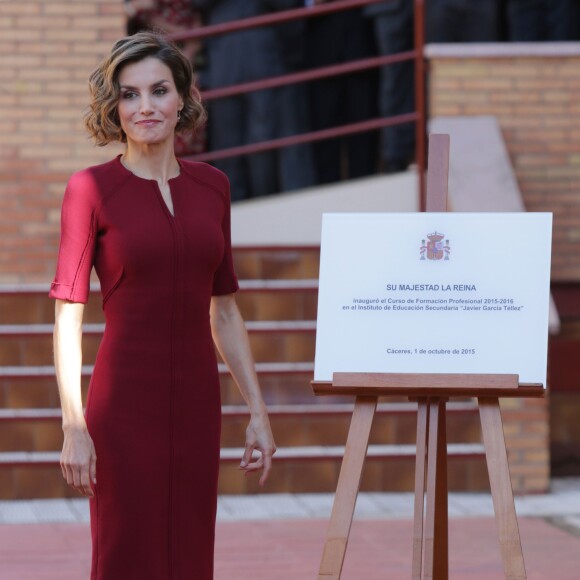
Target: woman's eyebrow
x=155, y=84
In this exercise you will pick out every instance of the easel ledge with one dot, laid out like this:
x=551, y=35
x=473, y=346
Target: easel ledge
x=427, y=385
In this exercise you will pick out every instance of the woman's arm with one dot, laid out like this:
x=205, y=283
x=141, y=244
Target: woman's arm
x=78, y=458
x=231, y=338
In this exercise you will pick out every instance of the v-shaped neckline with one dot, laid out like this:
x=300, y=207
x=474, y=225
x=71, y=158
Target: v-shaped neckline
x=163, y=201
x=155, y=184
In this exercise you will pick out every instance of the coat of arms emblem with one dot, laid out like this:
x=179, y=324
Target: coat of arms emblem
x=435, y=248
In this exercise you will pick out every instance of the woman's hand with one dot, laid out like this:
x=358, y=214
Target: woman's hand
x=231, y=338
x=78, y=460
x=259, y=437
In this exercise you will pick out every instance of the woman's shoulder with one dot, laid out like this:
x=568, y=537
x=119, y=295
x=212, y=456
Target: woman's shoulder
x=95, y=182
x=208, y=174
x=110, y=171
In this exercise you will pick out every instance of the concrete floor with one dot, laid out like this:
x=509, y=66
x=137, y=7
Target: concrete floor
x=291, y=549
x=281, y=537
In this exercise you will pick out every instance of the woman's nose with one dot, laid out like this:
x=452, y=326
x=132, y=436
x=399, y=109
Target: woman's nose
x=146, y=108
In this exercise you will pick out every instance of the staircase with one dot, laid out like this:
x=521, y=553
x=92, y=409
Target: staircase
x=277, y=299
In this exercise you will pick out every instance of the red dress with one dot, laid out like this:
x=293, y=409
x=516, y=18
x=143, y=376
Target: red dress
x=153, y=407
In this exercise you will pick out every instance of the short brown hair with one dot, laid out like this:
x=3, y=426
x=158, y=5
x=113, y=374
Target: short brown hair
x=102, y=118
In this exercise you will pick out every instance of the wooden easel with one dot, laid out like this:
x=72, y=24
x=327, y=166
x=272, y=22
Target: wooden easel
x=431, y=391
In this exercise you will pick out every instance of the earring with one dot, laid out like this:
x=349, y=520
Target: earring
x=179, y=114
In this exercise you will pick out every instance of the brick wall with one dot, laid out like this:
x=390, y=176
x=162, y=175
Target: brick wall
x=533, y=90
x=48, y=49
x=526, y=427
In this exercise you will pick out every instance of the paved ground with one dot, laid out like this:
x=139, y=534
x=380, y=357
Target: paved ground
x=280, y=537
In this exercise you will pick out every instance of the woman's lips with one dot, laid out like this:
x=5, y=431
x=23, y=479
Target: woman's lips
x=148, y=123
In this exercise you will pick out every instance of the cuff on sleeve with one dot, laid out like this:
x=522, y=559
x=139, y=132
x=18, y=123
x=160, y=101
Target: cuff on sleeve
x=70, y=293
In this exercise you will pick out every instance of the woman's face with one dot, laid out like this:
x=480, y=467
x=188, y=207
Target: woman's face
x=148, y=102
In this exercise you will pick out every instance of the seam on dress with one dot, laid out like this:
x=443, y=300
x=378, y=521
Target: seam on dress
x=113, y=287
x=170, y=538
x=83, y=255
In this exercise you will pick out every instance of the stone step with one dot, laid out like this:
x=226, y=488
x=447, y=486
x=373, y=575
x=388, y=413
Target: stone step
x=293, y=425
x=47, y=371
x=307, y=453
x=316, y=409
x=296, y=469
x=271, y=341
x=35, y=386
x=257, y=300
x=278, y=263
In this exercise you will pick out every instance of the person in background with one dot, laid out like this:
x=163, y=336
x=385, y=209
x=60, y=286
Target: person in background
x=536, y=20
x=393, y=28
x=462, y=20
x=167, y=16
x=135, y=10
x=340, y=100
x=295, y=163
x=234, y=58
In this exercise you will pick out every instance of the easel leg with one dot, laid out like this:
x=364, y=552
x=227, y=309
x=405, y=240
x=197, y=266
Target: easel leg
x=347, y=489
x=436, y=548
x=420, y=461
x=501, y=489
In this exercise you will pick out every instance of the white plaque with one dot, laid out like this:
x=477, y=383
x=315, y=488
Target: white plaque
x=434, y=293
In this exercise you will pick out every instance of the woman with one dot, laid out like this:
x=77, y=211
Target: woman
x=157, y=231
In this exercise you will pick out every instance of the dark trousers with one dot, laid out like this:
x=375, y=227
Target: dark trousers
x=462, y=20
x=343, y=99
x=531, y=20
x=239, y=121
x=394, y=33
x=295, y=163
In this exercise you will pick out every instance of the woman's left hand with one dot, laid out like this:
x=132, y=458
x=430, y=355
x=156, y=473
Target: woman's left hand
x=259, y=437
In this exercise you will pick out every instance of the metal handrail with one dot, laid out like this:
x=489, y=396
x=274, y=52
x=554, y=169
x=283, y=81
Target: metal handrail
x=340, y=131
x=418, y=116
x=309, y=75
x=269, y=19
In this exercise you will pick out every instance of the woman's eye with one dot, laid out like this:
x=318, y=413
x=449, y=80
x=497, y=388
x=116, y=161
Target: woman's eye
x=160, y=91
x=129, y=95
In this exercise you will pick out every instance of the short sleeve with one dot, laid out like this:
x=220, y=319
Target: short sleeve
x=77, y=241
x=225, y=280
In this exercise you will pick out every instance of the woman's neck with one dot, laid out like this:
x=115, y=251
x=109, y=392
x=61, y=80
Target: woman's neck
x=151, y=162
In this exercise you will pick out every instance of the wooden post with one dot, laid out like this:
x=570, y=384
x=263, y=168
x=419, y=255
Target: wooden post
x=501, y=489
x=438, y=174
x=435, y=537
x=420, y=463
x=347, y=489
x=435, y=540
